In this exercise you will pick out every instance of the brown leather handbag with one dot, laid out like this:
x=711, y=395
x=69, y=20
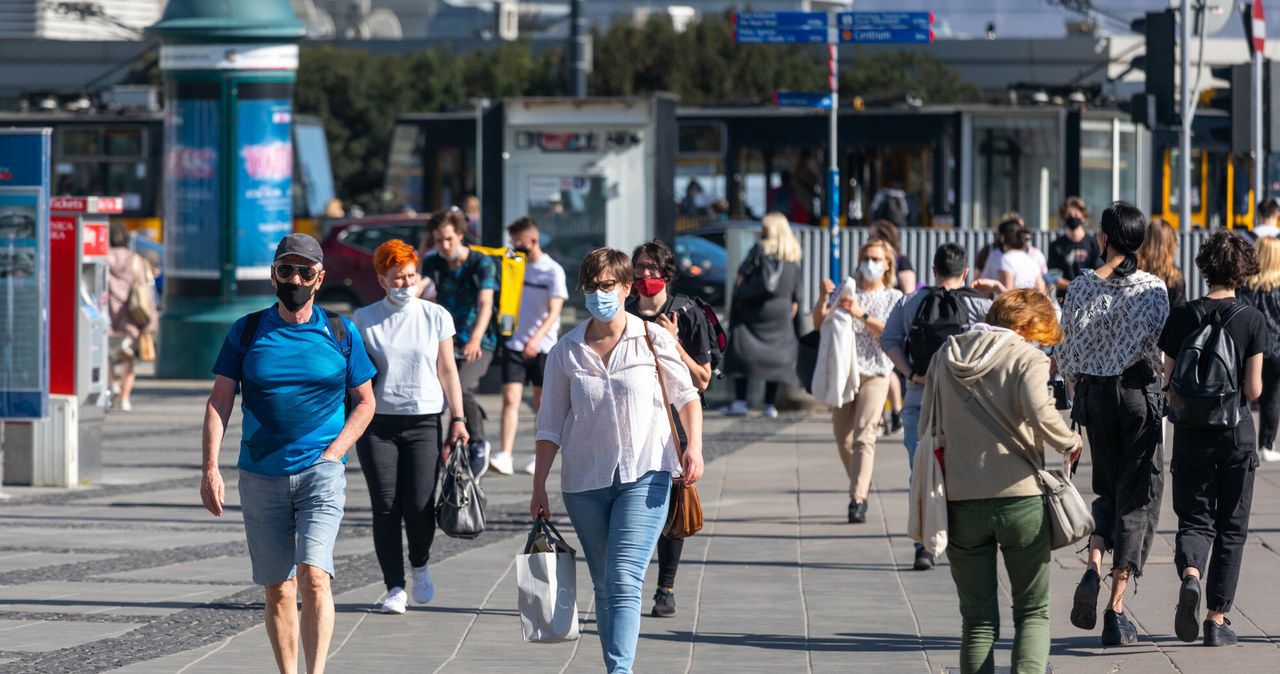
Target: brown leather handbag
x=684, y=513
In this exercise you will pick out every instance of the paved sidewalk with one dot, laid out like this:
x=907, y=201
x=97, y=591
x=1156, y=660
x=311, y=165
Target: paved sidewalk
x=133, y=575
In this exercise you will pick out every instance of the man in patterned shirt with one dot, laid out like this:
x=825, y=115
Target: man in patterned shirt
x=465, y=283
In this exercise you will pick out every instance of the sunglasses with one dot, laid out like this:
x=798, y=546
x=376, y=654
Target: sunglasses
x=607, y=286
x=307, y=273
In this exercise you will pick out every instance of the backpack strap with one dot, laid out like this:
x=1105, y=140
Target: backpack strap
x=249, y=334
x=338, y=329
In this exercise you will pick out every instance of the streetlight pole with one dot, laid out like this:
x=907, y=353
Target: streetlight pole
x=1184, y=140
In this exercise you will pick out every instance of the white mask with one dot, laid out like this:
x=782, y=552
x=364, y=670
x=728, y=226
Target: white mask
x=402, y=296
x=871, y=270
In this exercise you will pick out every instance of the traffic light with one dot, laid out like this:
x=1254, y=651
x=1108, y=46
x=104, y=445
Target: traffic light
x=1160, y=30
x=1235, y=101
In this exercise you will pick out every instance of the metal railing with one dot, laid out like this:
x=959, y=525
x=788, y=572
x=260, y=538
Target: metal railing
x=919, y=244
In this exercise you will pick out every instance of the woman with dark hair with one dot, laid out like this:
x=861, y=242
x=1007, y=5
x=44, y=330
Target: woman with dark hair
x=988, y=394
x=1017, y=268
x=1262, y=292
x=612, y=373
x=1158, y=257
x=1213, y=468
x=655, y=268
x=1111, y=320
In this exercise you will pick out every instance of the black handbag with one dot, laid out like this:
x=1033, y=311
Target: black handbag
x=459, y=498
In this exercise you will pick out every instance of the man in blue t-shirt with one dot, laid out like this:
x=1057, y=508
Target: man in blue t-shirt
x=465, y=282
x=294, y=367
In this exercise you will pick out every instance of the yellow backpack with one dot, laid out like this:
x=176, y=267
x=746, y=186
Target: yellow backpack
x=510, y=287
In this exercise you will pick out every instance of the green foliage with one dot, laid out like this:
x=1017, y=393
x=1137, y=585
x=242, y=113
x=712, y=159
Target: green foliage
x=358, y=94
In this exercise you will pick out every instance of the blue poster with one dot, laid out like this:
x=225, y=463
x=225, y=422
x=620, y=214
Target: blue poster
x=264, y=178
x=192, y=216
x=24, y=273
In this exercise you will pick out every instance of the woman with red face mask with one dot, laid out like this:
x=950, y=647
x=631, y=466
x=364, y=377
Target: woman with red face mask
x=655, y=267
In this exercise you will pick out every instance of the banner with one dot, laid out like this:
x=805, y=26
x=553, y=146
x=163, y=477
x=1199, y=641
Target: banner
x=24, y=273
x=192, y=212
x=264, y=178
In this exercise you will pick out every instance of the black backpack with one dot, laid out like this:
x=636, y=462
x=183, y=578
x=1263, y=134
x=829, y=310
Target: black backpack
x=700, y=310
x=1205, y=382
x=941, y=314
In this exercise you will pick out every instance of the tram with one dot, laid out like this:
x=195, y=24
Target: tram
x=122, y=155
x=958, y=166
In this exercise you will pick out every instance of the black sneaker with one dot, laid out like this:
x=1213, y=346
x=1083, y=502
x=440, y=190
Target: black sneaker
x=924, y=560
x=896, y=422
x=1186, y=620
x=857, y=511
x=664, y=603
x=1117, y=629
x=1084, y=610
x=1218, y=635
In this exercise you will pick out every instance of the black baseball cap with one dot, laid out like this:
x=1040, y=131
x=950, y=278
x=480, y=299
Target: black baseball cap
x=300, y=244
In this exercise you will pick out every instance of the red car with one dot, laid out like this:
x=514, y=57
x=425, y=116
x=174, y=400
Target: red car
x=348, y=256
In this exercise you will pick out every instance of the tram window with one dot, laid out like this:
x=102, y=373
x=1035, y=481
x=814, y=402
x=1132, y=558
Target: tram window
x=1128, y=167
x=108, y=161
x=698, y=139
x=1016, y=168
x=80, y=142
x=123, y=142
x=1095, y=161
x=404, y=170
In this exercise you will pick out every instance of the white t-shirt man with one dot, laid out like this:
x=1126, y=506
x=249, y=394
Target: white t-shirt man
x=404, y=342
x=543, y=280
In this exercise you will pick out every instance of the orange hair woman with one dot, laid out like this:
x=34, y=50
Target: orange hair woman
x=410, y=341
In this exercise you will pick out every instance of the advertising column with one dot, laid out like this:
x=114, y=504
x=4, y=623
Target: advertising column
x=24, y=273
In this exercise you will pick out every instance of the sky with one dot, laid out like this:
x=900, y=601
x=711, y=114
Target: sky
x=1029, y=18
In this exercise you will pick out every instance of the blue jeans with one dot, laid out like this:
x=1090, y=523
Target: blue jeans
x=910, y=439
x=618, y=527
x=292, y=519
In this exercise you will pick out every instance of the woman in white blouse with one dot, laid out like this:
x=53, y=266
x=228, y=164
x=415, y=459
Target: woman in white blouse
x=411, y=342
x=601, y=405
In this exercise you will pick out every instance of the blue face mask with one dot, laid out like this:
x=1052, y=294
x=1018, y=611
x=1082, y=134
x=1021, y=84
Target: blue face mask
x=604, y=306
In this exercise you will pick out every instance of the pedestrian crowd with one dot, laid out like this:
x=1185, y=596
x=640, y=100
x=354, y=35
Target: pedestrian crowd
x=1094, y=340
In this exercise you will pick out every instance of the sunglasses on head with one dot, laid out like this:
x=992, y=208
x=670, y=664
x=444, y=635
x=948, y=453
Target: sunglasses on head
x=307, y=273
x=607, y=286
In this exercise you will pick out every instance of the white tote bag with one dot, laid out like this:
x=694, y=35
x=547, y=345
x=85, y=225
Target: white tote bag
x=547, y=579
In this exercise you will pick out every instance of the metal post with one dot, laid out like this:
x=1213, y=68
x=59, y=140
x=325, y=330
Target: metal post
x=833, y=173
x=578, y=50
x=1184, y=140
x=1259, y=159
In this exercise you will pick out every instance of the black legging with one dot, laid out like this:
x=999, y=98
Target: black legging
x=669, y=549
x=400, y=457
x=770, y=390
x=1269, y=403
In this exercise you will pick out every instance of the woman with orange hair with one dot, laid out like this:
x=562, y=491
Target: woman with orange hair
x=410, y=341
x=988, y=394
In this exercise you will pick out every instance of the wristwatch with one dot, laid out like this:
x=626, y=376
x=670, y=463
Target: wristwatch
x=457, y=419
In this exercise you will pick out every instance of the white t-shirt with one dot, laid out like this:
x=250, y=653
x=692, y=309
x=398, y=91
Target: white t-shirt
x=404, y=344
x=1024, y=268
x=543, y=280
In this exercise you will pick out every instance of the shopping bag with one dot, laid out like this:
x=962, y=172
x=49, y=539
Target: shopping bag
x=547, y=579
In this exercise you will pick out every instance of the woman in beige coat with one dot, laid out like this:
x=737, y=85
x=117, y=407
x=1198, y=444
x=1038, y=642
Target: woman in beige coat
x=988, y=390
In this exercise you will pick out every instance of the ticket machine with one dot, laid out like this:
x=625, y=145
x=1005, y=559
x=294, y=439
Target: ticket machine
x=66, y=448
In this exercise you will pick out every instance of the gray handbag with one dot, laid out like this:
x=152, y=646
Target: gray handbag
x=547, y=581
x=459, y=499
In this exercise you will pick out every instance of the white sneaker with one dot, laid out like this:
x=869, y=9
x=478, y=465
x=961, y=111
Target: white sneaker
x=737, y=409
x=533, y=463
x=126, y=406
x=423, y=589
x=770, y=412
x=394, y=601
x=501, y=463
x=1269, y=455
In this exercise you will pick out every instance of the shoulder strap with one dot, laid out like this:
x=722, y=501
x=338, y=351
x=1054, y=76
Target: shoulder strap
x=666, y=404
x=1232, y=312
x=250, y=332
x=338, y=329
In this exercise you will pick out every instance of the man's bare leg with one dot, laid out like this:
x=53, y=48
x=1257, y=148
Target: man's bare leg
x=511, y=399
x=317, y=616
x=282, y=624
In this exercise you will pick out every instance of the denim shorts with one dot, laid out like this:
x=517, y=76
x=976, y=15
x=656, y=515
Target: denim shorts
x=292, y=519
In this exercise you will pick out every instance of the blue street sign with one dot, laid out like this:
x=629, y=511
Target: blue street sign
x=886, y=36
x=781, y=36
x=884, y=20
x=796, y=99
x=787, y=20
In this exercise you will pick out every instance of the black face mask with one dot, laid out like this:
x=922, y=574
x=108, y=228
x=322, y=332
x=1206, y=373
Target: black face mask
x=294, y=296
x=1074, y=222
x=521, y=249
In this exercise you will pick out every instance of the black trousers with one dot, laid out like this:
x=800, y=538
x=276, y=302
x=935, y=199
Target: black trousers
x=400, y=457
x=1123, y=417
x=770, y=390
x=469, y=375
x=1213, y=474
x=1269, y=403
x=670, y=549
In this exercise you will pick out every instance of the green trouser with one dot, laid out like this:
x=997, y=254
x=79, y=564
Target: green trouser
x=1020, y=526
